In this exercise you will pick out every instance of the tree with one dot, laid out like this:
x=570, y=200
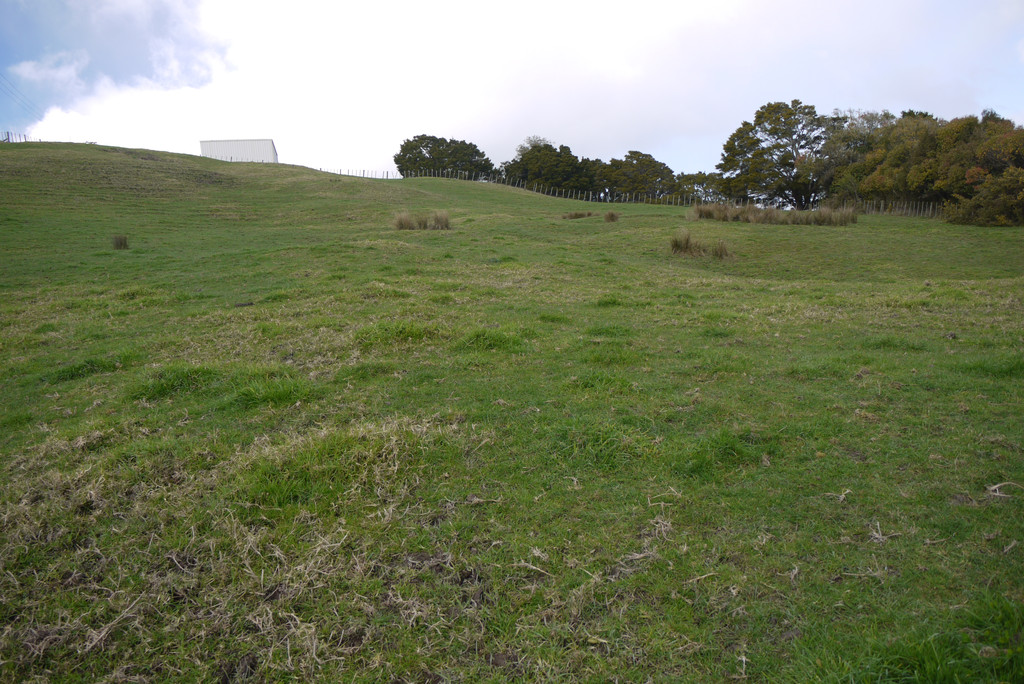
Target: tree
x=980, y=164
x=997, y=201
x=639, y=174
x=539, y=161
x=974, y=166
x=426, y=153
x=778, y=158
x=703, y=187
x=898, y=165
x=848, y=147
x=531, y=142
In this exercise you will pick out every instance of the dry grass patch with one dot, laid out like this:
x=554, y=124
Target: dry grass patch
x=404, y=221
x=720, y=250
x=438, y=220
x=825, y=216
x=682, y=243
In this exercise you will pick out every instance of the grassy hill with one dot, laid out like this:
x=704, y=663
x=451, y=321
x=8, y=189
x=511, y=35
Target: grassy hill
x=276, y=438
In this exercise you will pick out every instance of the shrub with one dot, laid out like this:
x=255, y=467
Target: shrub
x=577, y=214
x=611, y=217
x=120, y=242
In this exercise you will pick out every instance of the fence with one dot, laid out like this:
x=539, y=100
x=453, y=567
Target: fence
x=897, y=208
x=381, y=175
x=886, y=207
x=552, y=191
x=9, y=137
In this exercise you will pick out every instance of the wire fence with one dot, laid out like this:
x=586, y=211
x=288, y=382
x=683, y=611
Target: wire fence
x=886, y=207
x=896, y=208
x=378, y=175
x=11, y=137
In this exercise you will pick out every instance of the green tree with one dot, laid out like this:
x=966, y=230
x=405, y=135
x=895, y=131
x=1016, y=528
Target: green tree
x=1003, y=147
x=847, y=148
x=981, y=166
x=427, y=153
x=998, y=200
x=779, y=157
x=531, y=142
x=639, y=174
x=539, y=161
x=704, y=187
x=900, y=164
x=974, y=166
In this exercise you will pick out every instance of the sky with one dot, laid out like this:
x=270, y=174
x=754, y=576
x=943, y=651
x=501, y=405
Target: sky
x=339, y=85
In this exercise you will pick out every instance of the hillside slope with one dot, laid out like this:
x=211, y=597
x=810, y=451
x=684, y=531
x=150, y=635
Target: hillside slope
x=278, y=439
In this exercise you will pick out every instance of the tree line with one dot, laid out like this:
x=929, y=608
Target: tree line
x=788, y=156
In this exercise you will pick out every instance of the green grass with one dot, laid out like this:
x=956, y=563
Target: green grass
x=280, y=439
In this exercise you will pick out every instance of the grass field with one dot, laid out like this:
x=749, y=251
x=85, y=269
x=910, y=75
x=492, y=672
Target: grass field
x=277, y=439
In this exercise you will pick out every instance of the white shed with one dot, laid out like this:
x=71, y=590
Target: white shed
x=240, y=150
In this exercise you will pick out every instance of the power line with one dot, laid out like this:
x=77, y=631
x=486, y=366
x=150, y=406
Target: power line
x=19, y=97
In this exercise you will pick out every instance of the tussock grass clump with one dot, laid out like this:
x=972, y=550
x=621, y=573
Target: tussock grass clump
x=578, y=214
x=683, y=243
x=438, y=220
x=120, y=241
x=713, y=212
x=829, y=216
x=825, y=216
x=720, y=250
x=404, y=221
x=611, y=217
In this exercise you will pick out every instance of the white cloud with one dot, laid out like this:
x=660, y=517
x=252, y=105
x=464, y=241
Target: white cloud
x=61, y=70
x=142, y=12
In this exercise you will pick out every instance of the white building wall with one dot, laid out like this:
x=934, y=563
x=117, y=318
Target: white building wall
x=240, y=150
